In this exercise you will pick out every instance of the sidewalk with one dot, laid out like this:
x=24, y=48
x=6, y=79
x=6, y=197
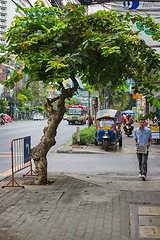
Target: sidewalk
x=128, y=147
x=82, y=207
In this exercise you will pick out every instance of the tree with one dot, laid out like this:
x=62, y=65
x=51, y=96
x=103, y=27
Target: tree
x=22, y=99
x=3, y=105
x=117, y=100
x=27, y=92
x=72, y=101
x=57, y=44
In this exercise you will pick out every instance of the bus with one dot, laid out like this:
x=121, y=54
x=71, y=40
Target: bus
x=76, y=113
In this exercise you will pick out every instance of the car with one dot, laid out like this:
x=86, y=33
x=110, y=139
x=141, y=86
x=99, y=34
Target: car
x=38, y=116
x=65, y=116
x=7, y=118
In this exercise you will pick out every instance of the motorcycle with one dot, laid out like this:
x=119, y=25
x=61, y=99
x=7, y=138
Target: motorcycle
x=2, y=121
x=128, y=129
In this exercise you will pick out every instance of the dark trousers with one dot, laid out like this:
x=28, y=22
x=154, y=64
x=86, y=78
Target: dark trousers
x=142, y=158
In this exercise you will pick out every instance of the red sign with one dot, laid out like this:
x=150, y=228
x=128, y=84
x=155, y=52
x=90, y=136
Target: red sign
x=137, y=96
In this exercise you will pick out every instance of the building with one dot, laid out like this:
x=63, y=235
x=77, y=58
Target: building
x=143, y=8
x=7, y=12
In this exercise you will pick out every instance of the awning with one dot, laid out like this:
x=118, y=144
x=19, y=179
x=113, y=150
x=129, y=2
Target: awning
x=15, y=109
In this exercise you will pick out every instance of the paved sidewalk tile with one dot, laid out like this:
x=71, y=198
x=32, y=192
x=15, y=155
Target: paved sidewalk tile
x=44, y=212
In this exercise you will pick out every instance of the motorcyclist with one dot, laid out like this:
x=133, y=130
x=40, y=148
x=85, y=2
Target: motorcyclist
x=128, y=120
x=2, y=118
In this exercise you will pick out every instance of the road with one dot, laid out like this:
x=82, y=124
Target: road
x=115, y=164
x=19, y=129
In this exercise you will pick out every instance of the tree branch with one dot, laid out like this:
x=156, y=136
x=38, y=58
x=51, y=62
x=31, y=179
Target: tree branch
x=17, y=5
x=61, y=85
x=52, y=100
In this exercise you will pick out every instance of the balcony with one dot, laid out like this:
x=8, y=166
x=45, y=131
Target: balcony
x=3, y=10
x=3, y=24
x=3, y=17
x=2, y=29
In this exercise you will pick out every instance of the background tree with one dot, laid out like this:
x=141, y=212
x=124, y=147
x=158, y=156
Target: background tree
x=59, y=44
x=22, y=99
x=3, y=105
x=117, y=100
x=71, y=101
x=27, y=92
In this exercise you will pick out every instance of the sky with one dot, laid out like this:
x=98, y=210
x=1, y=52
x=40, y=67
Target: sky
x=32, y=1
x=91, y=9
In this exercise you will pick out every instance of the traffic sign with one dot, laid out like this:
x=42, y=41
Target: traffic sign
x=27, y=147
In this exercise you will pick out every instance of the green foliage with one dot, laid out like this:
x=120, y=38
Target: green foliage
x=40, y=108
x=72, y=101
x=140, y=116
x=3, y=105
x=150, y=115
x=86, y=136
x=27, y=92
x=22, y=99
x=117, y=100
x=56, y=44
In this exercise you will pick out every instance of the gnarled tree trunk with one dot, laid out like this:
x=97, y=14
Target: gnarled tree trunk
x=39, y=152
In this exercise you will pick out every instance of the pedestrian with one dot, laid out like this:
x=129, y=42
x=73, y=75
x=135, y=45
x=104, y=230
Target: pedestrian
x=142, y=137
x=122, y=120
x=155, y=120
x=90, y=121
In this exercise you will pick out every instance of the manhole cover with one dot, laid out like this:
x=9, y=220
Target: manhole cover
x=145, y=221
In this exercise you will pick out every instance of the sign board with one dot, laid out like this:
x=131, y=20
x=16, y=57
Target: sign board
x=155, y=132
x=85, y=93
x=137, y=96
x=142, y=8
x=27, y=147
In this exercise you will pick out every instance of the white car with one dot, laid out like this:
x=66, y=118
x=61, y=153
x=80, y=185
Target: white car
x=38, y=116
x=65, y=116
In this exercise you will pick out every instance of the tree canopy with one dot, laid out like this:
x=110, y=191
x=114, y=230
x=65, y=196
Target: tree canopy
x=56, y=44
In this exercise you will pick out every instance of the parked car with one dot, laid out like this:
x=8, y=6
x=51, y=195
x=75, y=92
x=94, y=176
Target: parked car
x=38, y=116
x=7, y=118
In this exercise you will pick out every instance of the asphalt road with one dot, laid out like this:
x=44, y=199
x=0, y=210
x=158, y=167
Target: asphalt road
x=19, y=129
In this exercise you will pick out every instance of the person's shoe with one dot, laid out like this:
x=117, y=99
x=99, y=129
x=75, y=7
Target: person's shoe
x=143, y=178
x=140, y=176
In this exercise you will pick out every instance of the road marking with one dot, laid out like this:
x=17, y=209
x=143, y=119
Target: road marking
x=5, y=152
x=6, y=173
x=5, y=155
x=17, y=167
x=9, y=132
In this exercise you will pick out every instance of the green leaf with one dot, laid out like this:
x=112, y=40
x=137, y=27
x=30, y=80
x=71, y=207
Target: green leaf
x=79, y=59
x=58, y=45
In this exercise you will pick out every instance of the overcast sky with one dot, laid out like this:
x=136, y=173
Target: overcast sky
x=32, y=1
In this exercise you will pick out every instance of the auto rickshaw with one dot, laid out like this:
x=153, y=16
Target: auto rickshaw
x=108, y=129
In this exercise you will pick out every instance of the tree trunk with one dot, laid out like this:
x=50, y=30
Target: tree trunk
x=39, y=152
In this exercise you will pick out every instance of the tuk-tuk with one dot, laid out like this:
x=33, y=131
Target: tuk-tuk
x=108, y=129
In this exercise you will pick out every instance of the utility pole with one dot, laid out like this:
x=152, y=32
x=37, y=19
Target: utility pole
x=89, y=94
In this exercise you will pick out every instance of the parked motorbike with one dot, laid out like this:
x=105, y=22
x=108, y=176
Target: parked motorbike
x=2, y=121
x=128, y=129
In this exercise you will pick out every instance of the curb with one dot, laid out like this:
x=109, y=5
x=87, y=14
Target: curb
x=70, y=149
